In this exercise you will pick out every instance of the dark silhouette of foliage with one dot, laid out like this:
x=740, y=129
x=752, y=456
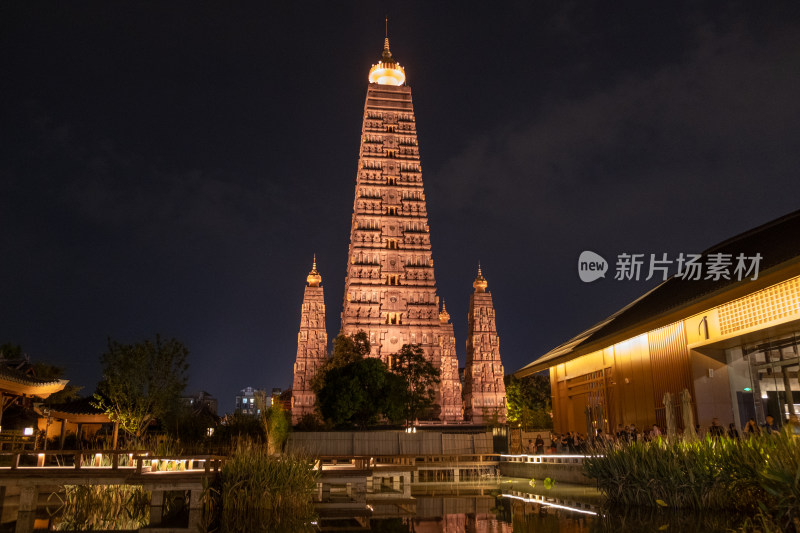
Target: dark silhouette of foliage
x=419, y=376
x=528, y=401
x=141, y=381
x=355, y=390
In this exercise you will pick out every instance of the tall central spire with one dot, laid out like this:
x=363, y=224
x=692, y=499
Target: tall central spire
x=390, y=289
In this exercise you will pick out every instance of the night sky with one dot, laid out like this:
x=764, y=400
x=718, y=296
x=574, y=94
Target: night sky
x=171, y=167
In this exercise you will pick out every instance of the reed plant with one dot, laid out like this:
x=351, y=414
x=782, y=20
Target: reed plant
x=258, y=491
x=99, y=507
x=760, y=474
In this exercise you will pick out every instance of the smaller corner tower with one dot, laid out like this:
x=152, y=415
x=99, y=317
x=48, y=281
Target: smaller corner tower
x=484, y=389
x=449, y=392
x=312, y=344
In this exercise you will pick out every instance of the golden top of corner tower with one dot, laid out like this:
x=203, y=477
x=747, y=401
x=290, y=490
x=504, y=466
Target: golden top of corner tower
x=480, y=283
x=314, y=279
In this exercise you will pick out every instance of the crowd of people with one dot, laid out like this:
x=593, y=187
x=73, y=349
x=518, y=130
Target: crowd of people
x=573, y=442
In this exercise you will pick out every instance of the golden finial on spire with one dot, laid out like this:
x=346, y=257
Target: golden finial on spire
x=480, y=282
x=314, y=279
x=444, y=316
x=387, y=71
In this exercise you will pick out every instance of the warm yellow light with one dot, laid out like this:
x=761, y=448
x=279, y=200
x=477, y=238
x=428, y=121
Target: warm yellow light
x=387, y=74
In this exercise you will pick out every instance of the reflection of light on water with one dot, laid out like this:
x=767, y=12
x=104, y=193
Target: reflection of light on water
x=551, y=457
x=549, y=504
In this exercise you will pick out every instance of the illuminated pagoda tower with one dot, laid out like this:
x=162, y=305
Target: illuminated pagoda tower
x=484, y=390
x=312, y=343
x=390, y=289
x=449, y=394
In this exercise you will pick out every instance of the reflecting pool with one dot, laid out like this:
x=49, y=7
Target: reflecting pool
x=504, y=505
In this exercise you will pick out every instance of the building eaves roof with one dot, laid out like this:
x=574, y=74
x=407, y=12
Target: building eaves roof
x=18, y=376
x=776, y=241
x=79, y=406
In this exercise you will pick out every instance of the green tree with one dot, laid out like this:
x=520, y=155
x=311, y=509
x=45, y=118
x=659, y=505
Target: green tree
x=359, y=393
x=353, y=389
x=346, y=349
x=419, y=376
x=278, y=425
x=274, y=420
x=528, y=401
x=141, y=381
x=239, y=426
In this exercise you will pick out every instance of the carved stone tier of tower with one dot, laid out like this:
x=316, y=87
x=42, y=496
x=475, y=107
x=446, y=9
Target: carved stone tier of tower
x=484, y=389
x=312, y=344
x=390, y=290
x=449, y=393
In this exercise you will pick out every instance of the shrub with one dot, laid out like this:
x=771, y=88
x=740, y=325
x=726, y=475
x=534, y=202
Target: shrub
x=261, y=492
x=758, y=474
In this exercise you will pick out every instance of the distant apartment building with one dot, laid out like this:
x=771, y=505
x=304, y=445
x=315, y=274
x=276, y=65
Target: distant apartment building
x=202, y=400
x=246, y=401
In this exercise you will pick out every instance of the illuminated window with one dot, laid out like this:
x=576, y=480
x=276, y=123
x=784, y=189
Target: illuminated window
x=392, y=244
x=391, y=211
x=394, y=318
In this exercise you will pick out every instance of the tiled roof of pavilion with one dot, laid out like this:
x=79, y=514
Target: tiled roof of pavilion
x=15, y=375
x=78, y=406
x=777, y=241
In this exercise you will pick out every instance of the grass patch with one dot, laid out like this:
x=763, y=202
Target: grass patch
x=758, y=475
x=99, y=507
x=257, y=491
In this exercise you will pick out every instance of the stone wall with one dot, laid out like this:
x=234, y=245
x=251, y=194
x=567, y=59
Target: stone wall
x=353, y=443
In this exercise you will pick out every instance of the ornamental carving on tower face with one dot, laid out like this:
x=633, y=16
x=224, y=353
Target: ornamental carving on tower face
x=312, y=344
x=484, y=388
x=398, y=303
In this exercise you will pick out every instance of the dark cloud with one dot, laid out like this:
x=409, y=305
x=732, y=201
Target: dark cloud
x=172, y=168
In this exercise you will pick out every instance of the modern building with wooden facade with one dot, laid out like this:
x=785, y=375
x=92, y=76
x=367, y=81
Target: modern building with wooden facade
x=733, y=344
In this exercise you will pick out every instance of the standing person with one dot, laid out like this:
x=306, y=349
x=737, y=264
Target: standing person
x=531, y=448
x=634, y=433
x=716, y=431
x=553, y=443
x=581, y=444
x=733, y=433
x=599, y=438
x=770, y=426
x=656, y=432
x=572, y=443
x=622, y=433
x=565, y=439
x=539, y=444
x=751, y=428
